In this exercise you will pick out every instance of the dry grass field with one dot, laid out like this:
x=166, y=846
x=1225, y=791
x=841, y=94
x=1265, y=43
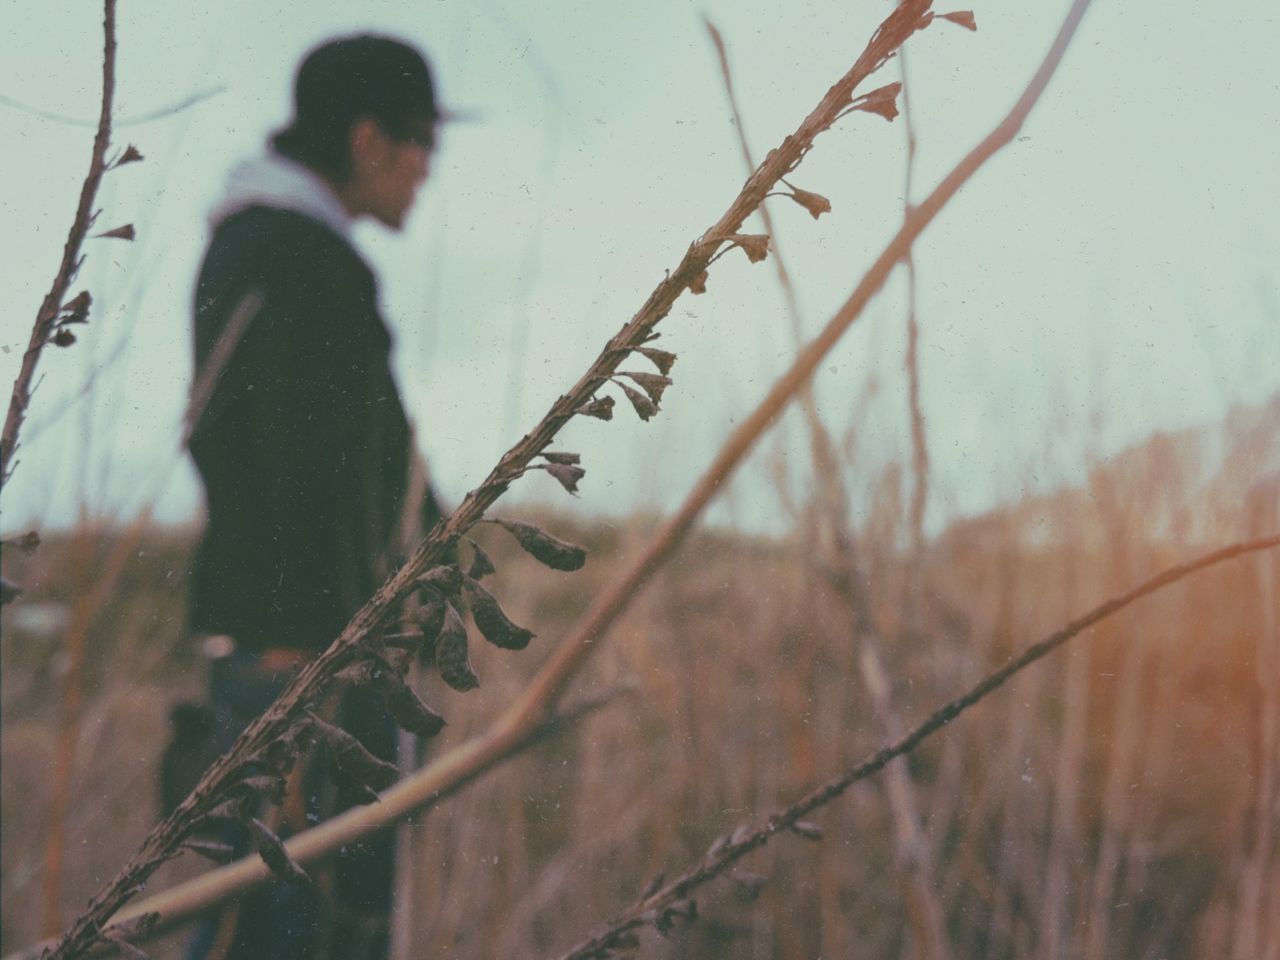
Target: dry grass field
x=1121, y=799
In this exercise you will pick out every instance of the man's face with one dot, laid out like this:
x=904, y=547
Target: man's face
x=386, y=174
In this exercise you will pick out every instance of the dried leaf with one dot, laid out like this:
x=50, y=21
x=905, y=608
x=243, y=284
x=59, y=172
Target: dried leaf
x=810, y=831
x=601, y=408
x=212, y=850
x=446, y=579
x=882, y=101
x=570, y=459
x=125, y=232
x=451, y=653
x=664, y=360
x=964, y=18
x=815, y=203
x=77, y=308
x=699, y=283
x=430, y=617
x=481, y=565
x=567, y=476
x=644, y=407
x=545, y=548
x=131, y=155
x=754, y=245
x=274, y=854
x=265, y=786
x=492, y=623
x=653, y=384
x=351, y=765
x=63, y=338
x=408, y=709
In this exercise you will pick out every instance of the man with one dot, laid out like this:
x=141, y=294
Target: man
x=299, y=435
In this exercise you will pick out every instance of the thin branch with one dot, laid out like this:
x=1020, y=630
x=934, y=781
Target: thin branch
x=727, y=851
x=46, y=318
x=163, y=841
x=159, y=113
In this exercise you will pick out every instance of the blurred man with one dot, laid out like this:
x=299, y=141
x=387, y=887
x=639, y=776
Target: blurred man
x=298, y=433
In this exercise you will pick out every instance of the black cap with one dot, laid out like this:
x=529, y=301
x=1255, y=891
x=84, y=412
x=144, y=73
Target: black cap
x=346, y=79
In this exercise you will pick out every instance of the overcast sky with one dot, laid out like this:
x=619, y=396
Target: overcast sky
x=1112, y=273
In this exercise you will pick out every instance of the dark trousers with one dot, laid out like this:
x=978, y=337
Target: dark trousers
x=344, y=914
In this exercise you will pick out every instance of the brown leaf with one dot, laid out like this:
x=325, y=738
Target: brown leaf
x=351, y=765
x=601, y=408
x=408, y=709
x=699, y=283
x=754, y=245
x=274, y=854
x=644, y=407
x=570, y=459
x=131, y=155
x=567, y=476
x=964, y=18
x=77, y=308
x=492, y=622
x=266, y=786
x=882, y=101
x=119, y=233
x=447, y=579
x=451, y=653
x=653, y=384
x=63, y=338
x=815, y=203
x=430, y=617
x=664, y=360
x=545, y=548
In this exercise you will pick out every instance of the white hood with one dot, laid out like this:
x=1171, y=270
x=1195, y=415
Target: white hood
x=274, y=181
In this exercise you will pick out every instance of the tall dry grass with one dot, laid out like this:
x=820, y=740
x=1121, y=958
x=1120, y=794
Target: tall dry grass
x=1118, y=800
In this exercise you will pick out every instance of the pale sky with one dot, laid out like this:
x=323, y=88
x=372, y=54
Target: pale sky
x=1113, y=273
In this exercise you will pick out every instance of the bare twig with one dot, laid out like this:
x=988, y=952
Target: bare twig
x=163, y=842
x=159, y=113
x=727, y=851
x=53, y=304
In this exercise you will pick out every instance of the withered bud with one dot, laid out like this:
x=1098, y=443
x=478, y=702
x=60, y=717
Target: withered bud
x=77, y=308
x=963, y=18
x=280, y=755
x=408, y=709
x=570, y=459
x=451, y=653
x=749, y=884
x=481, y=565
x=545, y=548
x=644, y=407
x=131, y=155
x=699, y=283
x=807, y=829
x=212, y=850
x=125, y=232
x=882, y=101
x=274, y=854
x=430, y=617
x=63, y=338
x=351, y=765
x=446, y=579
x=567, y=476
x=664, y=360
x=601, y=408
x=815, y=203
x=492, y=622
x=653, y=886
x=754, y=245
x=652, y=383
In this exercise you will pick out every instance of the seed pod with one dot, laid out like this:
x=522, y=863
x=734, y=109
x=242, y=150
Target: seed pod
x=567, y=476
x=545, y=548
x=77, y=308
x=451, y=653
x=131, y=155
x=125, y=232
x=815, y=203
x=652, y=383
x=601, y=408
x=644, y=407
x=63, y=338
x=408, y=709
x=264, y=786
x=662, y=359
x=962, y=17
x=447, y=579
x=882, y=101
x=274, y=855
x=699, y=283
x=212, y=850
x=481, y=567
x=492, y=623
x=430, y=617
x=810, y=831
x=571, y=459
x=754, y=245
x=351, y=765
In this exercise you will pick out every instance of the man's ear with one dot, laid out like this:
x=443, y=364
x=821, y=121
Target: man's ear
x=363, y=141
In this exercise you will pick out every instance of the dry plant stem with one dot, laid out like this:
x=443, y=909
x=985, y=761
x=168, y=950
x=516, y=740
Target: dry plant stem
x=163, y=842
x=729, y=853
x=20, y=400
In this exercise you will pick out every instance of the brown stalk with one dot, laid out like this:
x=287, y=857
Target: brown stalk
x=743, y=841
x=470, y=759
x=163, y=842
x=47, y=316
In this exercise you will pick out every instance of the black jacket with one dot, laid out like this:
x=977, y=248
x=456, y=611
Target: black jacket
x=303, y=445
